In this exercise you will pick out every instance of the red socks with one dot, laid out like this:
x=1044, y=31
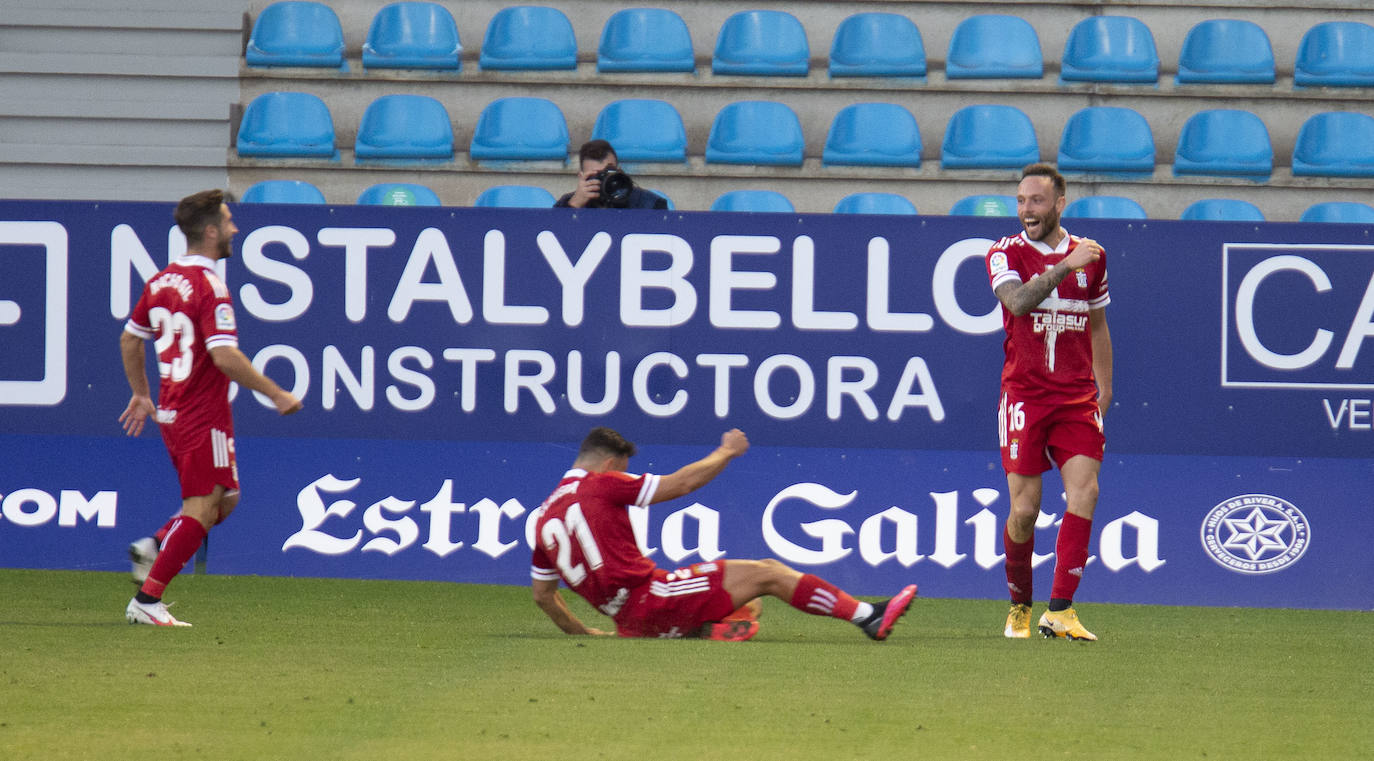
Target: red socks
x=819, y=597
x=178, y=546
x=162, y=532
x=1019, y=567
x=1071, y=554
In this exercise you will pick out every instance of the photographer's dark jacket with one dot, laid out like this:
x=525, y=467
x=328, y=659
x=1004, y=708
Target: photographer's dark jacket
x=639, y=199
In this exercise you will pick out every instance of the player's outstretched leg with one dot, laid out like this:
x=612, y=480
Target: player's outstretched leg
x=878, y=625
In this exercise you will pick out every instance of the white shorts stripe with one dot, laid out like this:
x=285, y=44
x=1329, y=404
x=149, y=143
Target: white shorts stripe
x=219, y=442
x=680, y=588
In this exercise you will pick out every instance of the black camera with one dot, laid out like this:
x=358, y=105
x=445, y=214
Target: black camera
x=616, y=187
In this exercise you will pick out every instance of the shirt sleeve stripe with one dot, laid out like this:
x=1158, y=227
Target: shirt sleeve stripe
x=134, y=328
x=543, y=574
x=221, y=339
x=646, y=492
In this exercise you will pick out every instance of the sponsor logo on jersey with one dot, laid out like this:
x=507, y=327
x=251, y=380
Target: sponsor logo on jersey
x=1255, y=534
x=997, y=263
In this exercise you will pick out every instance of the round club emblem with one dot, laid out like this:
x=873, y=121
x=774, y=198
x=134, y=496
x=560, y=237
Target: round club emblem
x=1255, y=534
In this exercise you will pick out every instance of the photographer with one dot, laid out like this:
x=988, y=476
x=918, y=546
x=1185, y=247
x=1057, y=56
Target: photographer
x=602, y=185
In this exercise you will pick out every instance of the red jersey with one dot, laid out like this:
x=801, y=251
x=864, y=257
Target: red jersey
x=186, y=310
x=1049, y=352
x=584, y=536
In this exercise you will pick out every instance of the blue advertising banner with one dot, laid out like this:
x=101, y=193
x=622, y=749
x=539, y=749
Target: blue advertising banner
x=450, y=360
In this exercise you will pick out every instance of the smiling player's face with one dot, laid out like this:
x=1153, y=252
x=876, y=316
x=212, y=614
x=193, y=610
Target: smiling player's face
x=1038, y=206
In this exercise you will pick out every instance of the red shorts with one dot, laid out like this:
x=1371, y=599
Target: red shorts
x=1034, y=436
x=204, y=458
x=676, y=604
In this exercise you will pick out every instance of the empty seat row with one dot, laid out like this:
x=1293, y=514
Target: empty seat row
x=754, y=200
x=1102, y=139
x=774, y=43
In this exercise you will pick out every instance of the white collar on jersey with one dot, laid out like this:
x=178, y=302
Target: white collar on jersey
x=196, y=260
x=1044, y=248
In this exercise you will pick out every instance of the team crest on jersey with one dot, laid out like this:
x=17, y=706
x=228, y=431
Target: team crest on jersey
x=1081, y=277
x=1015, y=449
x=997, y=263
x=224, y=317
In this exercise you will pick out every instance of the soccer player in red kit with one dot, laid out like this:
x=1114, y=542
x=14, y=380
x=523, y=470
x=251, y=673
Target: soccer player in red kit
x=187, y=312
x=584, y=537
x=1056, y=385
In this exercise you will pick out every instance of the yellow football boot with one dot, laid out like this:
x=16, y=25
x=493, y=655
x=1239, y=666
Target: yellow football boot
x=1018, y=622
x=1064, y=624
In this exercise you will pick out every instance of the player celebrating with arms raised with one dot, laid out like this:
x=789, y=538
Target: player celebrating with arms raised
x=583, y=536
x=1056, y=385
x=188, y=313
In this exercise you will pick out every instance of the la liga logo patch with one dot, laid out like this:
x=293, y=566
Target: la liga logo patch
x=1255, y=534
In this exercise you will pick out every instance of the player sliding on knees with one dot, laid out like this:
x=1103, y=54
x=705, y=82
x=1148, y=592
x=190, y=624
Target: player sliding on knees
x=583, y=537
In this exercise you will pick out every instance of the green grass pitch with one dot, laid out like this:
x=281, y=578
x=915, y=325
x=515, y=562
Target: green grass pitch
x=332, y=669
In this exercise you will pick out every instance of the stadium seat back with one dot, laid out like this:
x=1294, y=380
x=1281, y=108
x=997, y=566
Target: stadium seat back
x=1336, y=54
x=755, y=132
x=642, y=130
x=1223, y=210
x=1104, y=207
x=1107, y=139
x=404, y=127
x=1110, y=49
x=994, y=46
x=753, y=200
x=296, y=33
x=1224, y=142
x=286, y=125
x=875, y=203
x=989, y=137
x=398, y=194
x=1335, y=144
x=762, y=44
x=515, y=197
x=282, y=191
x=413, y=35
x=984, y=206
x=645, y=39
x=873, y=134
x=877, y=45
x=1339, y=211
x=1226, y=51
x=520, y=129
x=525, y=37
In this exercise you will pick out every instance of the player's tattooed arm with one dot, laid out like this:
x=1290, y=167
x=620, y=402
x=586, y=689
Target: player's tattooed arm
x=1021, y=298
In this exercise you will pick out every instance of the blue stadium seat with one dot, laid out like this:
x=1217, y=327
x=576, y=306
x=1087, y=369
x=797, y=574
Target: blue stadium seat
x=755, y=132
x=1226, y=51
x=1104, y=207
x=877, y=45
x=287, y=125
x=398, y=194
x=404, y=127
x=1339, y=211
x=1335, y=144
x=413, y=35
x=984, y=206
x=1110, y=49
x=645, y=39
x=1223, y=210
x=762, y=44
x=752, y=200
x=642, y=130
x=282, y=191
x=529, y=37
x=1225, y=142
x=994, y=46
x=520, y=129
x=1107, y=139
x=515, y=197
x=989, y=137
x=1336, y=54
x=873, y=134
x=874, y=203
x=296, y=33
